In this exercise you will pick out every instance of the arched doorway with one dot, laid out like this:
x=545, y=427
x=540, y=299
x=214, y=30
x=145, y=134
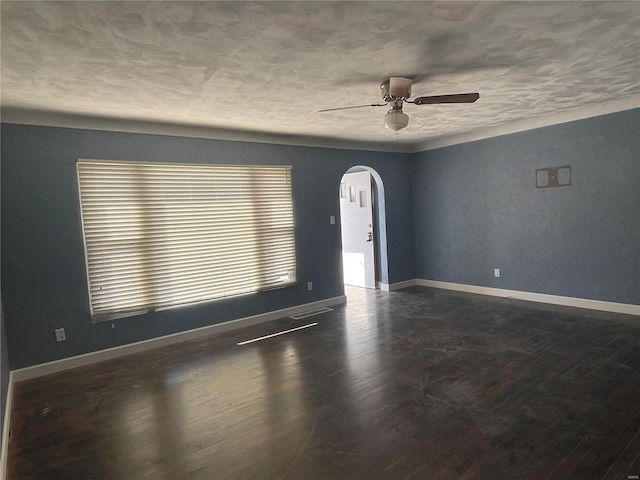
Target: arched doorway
x=364, y=228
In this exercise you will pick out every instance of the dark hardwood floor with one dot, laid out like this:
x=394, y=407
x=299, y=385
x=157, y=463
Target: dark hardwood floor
x=415, y=384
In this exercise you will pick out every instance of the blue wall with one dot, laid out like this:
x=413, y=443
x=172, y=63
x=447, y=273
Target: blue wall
x=476, y=208
x=43, y=271
x=4, y=368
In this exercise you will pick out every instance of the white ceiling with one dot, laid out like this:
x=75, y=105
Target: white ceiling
x=265, y=68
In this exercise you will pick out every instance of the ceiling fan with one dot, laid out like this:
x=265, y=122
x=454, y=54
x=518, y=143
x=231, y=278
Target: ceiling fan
x=396, y=91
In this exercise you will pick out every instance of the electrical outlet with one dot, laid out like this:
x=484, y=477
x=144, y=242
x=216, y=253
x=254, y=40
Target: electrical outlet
x=309, y=286
x=60, y=335
x=332, y=219
x=496, y=272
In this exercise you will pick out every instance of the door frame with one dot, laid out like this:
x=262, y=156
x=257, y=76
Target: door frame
x=379, y=225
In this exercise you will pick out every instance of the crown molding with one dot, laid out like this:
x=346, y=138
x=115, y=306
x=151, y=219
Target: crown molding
x=556, y=118
x=86, y=122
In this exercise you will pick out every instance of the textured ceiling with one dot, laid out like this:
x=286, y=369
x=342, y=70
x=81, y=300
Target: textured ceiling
x=269, y=66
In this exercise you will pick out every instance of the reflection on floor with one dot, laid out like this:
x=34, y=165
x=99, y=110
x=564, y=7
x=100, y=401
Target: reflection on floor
x=415, y=384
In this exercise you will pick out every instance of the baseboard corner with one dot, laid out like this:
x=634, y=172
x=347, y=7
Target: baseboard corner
x=400, y=285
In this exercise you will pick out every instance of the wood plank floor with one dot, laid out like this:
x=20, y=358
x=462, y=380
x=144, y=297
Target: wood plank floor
x=415, y=384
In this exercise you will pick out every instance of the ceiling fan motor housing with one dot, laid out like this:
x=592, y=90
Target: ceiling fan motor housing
x=396, y=88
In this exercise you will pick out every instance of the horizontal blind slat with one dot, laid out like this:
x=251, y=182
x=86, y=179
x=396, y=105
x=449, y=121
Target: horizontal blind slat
x=159, y=235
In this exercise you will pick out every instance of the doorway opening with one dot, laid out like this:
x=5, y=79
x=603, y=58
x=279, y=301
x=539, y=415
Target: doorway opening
x=363, y=227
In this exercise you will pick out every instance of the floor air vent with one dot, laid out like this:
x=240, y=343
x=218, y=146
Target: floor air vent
x=310, y=313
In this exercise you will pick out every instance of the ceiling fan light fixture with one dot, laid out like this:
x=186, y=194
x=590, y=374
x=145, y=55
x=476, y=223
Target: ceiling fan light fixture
x=396, y=120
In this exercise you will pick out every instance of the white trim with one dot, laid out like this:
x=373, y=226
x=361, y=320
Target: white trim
x=137, y=347
x=87, y=122
x=391, y=287
x=5, y=428
x=627, y=308
x=555, y=118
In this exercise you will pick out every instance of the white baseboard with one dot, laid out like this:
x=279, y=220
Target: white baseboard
x=5, y=429
x=535, y=297
x=131, y=348
x=391, y=287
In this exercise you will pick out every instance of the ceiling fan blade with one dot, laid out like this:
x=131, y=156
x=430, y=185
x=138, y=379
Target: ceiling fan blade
x=354, y=106
x=457, y=98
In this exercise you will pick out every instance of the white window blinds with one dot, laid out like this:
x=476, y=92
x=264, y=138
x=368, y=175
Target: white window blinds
x=160, y=235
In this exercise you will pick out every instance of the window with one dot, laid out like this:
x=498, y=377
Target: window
x=161, y=235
